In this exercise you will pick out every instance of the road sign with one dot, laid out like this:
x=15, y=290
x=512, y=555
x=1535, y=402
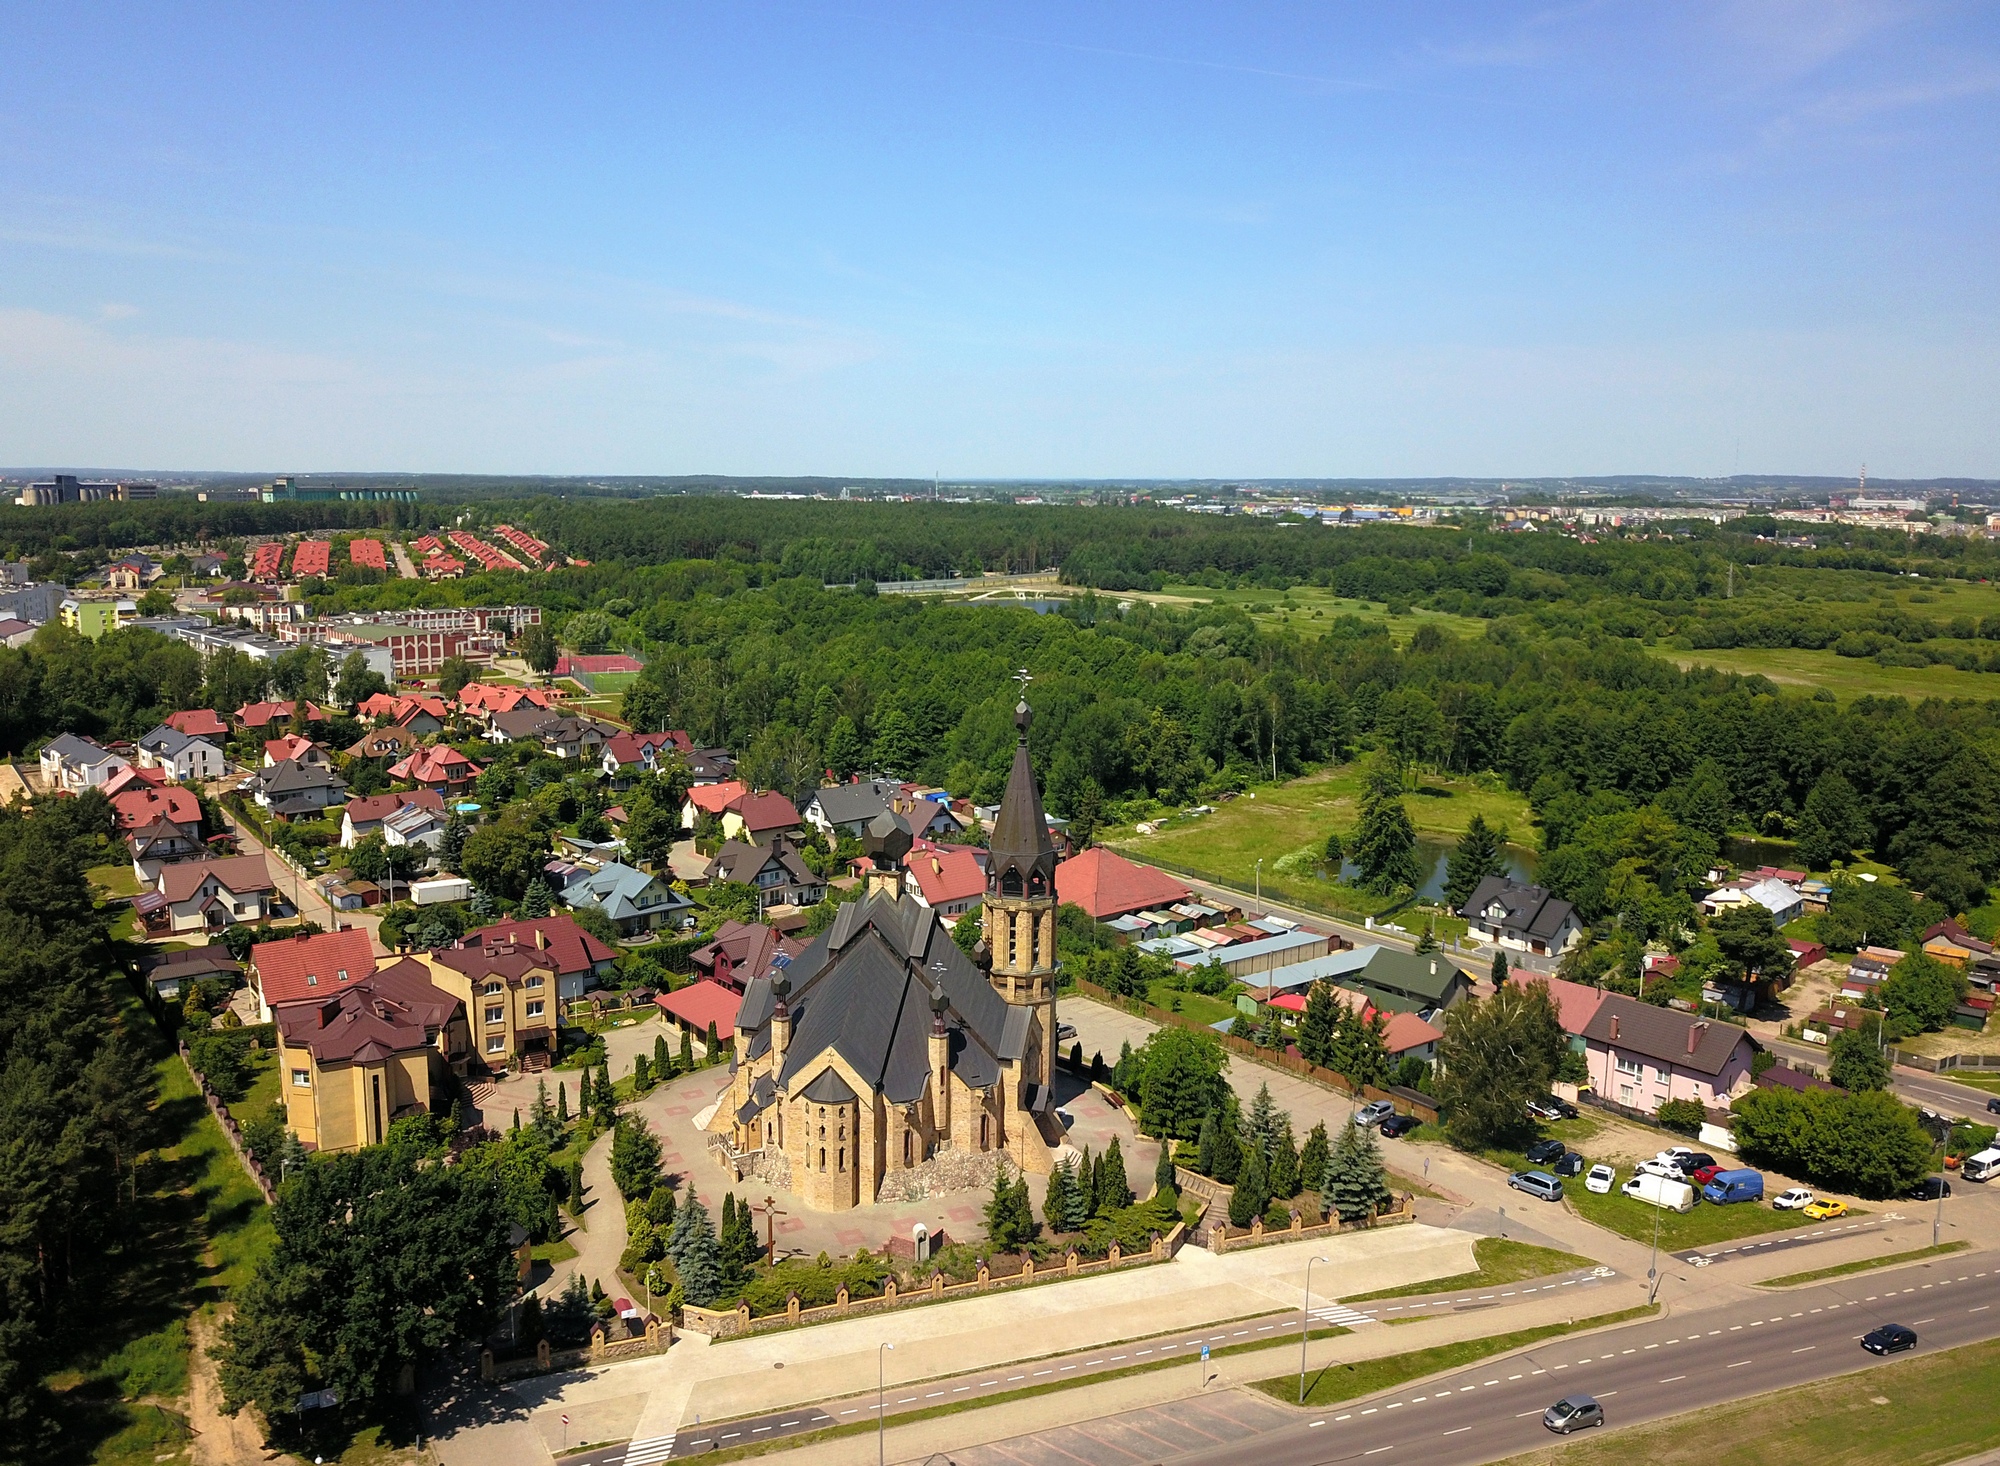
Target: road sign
x=565, y=1420
x=1204, y=1353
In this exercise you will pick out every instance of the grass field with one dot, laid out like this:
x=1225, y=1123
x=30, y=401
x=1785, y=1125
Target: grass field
x=1500, y=1261
x=1275, y=821
x=1844, y=677
x=1350, y=1381
x=114, y=880
x=1866, y=1264
x=1915, y=1412
x=1308, y=610
x=1702, y=1227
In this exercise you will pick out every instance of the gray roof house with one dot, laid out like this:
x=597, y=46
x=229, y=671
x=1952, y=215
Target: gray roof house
x=1523, y=918
x=70, y=762
x=634, y=900
x=296, y=790
x=184, y=756
x=846, y=809
x=781, y=877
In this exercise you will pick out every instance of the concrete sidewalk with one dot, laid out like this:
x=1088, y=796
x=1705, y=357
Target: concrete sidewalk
x=831, y=1361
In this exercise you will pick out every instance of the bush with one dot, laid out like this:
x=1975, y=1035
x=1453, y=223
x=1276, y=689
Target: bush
x=817, y=1283
x=1683, y=1117
x=1869, y=1144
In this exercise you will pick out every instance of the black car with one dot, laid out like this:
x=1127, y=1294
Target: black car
x=1891, y=1338
x=1397, y=1125
x=1993, y=1107
x=1570, y=1165
x=1695, y=1161
x=1544, y=1151
x=1931, y=1188
x=1560, y=1105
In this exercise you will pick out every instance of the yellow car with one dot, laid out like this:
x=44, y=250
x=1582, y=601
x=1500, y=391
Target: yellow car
x=1823, y=1208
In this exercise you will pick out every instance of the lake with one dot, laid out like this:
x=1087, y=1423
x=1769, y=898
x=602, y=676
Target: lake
x=1435, y=857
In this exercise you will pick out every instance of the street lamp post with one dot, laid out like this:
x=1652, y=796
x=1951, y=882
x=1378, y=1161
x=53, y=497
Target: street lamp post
x=1305, y=1325
x=1260, y=880
x=1653, y=1271
x=881, y=1420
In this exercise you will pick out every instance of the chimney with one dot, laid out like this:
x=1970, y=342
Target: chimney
x=541, y=939
x=1614, y=1028
x=1696, y=1032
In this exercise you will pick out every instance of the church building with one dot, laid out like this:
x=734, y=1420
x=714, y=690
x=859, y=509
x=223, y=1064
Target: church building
x=883, y=1045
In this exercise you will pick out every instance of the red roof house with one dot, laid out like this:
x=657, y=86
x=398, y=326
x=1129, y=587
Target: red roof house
x=699, y=1004
x=264, y=714
x=439, y=766
x=1107, y=885
x=304, y=969
x=1576, y=1003
x=199, y=723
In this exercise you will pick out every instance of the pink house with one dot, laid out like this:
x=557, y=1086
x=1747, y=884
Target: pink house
x=1641, y=1056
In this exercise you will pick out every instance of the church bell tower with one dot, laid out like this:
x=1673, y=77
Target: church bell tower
x=1020, y=904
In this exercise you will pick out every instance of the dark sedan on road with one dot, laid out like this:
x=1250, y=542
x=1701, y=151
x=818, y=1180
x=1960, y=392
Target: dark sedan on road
x=1931, y=1188
x=1891, y=1338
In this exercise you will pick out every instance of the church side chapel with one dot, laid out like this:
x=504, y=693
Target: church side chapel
x=883, y=1046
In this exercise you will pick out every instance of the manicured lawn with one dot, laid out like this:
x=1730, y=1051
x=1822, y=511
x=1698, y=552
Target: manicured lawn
x=1350, y=1381
x=1193, y=1005
x=1500, y=1260
x=1916, y=1412
x=114, y=880
x=553, y=1252
x=1702, y=1227
x=1866, y=1264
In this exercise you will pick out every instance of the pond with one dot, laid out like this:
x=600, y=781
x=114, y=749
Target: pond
x=1435, y=857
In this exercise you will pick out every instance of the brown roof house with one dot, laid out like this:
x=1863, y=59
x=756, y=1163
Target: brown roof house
x=781, y=876
x=208, y=895
x=355, y=1061
x=1641, y=1056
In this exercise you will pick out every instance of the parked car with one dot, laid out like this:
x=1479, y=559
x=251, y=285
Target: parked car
x=1573, y=1412
x=1570, y=1165
x=1398, y=1125
x=1542, y=1152
x=1374, y=1113
x=1600, y=1179
x=1729, y=1186
x=1065, y=1032
x=1931, y=1188
x=1705, y=1174
x=1543, y=1109
x=1666, y=1168
x=1568, y=1110
x=1983, y=1166
x=1693, y=1160
x=1821, y=1208
x=1537, y=1184
x=1662, y=1191
x=1792, y=1200
x=1891, y=1338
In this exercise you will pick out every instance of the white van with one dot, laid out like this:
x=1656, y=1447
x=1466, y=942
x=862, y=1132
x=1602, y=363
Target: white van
x=1981, y=1167
x=1661, y=1192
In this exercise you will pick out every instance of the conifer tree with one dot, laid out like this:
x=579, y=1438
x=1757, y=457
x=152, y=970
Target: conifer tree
x=562, y=1105
x=687, y=1052
x=1113, y=1191
x=1312, y=1158
x=1499, y=971
x=1260, y=1129
x=1229, y=1145
x=642, y=1074
x=698, y=1259
x=663, y=1060
x=1284, y=1162
x=1317, y=1025
x=541, y=1115
x=1253, y=1189
x=1060, y=1202
x=1207, y=1152
x=1355, y=1186
x=583, y=1097
x=1163, y=1170
x=607, y=1096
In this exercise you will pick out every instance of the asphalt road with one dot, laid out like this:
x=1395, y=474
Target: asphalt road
x=1643, y=1371
x=1932, y=1090
x=1758, y=1246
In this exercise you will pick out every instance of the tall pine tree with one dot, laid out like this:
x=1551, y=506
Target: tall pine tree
x=1355, y=1186
x=1476, y=856
x=1284, y=1162
x=1312, y=1159
x=1316, y=1028
x=1113, y=1192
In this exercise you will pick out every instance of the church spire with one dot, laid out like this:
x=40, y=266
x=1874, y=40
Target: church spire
x=1023, y=857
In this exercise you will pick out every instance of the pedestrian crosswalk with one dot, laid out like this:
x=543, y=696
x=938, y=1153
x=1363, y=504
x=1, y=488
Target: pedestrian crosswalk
x=1340, y=1313
x=649, y=1452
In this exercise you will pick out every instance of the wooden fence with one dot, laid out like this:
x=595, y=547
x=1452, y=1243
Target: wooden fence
x=231, y=1131
x=738, y=1323
x=1408, y=1101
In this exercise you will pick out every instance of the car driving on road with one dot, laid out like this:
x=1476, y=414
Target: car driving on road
x=1891, y=1338
x=1931, y=1188
x=1573, y=1412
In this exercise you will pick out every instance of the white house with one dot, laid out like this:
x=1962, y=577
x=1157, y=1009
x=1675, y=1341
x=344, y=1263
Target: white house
x=73, y=763
x=1521, y=918
x=184, y=757
x=1784, y=901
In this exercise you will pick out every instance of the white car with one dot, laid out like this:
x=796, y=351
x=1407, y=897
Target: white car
x=1796, y=1199
x=1600, y=1179
x=1663, y=1166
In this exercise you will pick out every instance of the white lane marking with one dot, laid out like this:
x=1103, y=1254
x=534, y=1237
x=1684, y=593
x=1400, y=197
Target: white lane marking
x=1738, y=1364
x=1980, y=1309
x=1806, y=1350
x=1461, y=1428
x=1671, y=1378
x=1378, y=1450
x=1348, y=1416
x=1318, y=1423
x=1526, y=1413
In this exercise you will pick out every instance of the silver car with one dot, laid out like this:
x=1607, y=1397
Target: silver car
x=1573, y=1412
x=1374, y=1113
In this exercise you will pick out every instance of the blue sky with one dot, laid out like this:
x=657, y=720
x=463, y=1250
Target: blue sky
x=1012, y=240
